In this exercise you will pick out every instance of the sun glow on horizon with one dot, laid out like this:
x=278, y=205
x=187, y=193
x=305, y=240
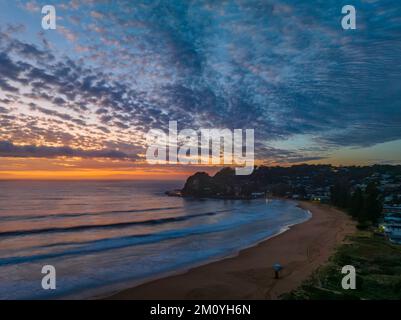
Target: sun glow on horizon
x=91, y=174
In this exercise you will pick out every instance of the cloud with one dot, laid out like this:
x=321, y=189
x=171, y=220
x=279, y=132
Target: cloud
x=4, y=110
x=9, y=69
x=68, y=34
x=282, y=68
x=7, y=87
x=8, y=149
x=31, y=6
x=271, y=155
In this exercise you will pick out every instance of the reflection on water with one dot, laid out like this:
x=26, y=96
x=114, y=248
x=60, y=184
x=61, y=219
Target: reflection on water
x=106, y=235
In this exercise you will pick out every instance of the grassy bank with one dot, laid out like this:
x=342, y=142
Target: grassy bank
x=378, y=268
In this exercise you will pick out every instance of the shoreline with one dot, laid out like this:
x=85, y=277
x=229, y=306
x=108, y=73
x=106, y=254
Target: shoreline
x=248, y=275
x=184, y=270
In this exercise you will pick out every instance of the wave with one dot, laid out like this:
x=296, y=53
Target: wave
x=107, y=226
x=103, y=245
x=81, y=214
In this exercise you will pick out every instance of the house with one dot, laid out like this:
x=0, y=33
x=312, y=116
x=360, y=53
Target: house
x=320, y=198
x=392, y=222
x=255, y=195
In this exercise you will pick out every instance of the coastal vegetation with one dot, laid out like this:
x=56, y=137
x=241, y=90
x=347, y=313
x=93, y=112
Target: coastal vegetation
x=358, y=190
x=364, y=205
x=378, y=272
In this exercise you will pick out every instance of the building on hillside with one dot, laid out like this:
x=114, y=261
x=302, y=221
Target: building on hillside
x=392, y=223
x=320, y=198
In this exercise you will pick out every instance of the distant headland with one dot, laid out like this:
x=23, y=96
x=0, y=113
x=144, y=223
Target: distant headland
x=360, y=190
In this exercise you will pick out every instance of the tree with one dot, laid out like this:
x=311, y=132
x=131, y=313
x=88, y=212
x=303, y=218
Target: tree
x=357, y=205
x=373, y=205
x=200, y=184
x=340, y=194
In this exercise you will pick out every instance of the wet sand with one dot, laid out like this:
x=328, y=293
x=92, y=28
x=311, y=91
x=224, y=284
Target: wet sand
x=249, y=275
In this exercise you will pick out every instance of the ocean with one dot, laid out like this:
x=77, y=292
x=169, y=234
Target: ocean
x=104, y=236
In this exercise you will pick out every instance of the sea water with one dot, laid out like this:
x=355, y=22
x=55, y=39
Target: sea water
x=104, y=236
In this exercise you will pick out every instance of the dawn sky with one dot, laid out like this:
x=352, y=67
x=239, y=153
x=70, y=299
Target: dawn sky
x=75, y=102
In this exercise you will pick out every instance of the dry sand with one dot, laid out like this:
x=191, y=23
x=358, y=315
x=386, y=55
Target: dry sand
x=249, y=275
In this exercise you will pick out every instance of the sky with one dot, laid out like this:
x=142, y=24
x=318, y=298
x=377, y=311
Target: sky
x=77, y=102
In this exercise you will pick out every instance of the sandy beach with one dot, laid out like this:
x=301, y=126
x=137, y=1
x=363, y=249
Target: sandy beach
x=249, y=275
